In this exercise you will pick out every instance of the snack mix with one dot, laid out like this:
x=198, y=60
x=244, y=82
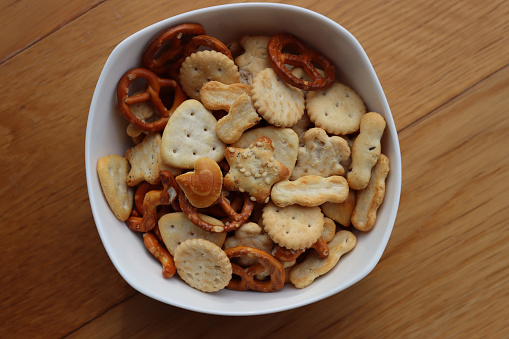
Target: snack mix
x=249, y=160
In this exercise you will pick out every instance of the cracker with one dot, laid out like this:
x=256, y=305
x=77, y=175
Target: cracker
x=189, y=135
x=277, y=102
x=341, y=212
x=321, y=155
x=218, y=96
x=203, y=265
x=366, y=150
x=313, y=266
x=294, y=227
x=370, y=198
x=337, y=109
x=310, y=190
x=254, y=169
x=204, y=66
x=176, y=228
x=301, y=127
x=144, y=159
x=329, y=229
x=284, y=140
x=254, y=59
x=112, y=172
x=241, y=116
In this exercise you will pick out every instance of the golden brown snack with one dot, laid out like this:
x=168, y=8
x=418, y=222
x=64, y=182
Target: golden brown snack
x=366, y=150
x=241, y=116
x=370, y=198
x=203, y=186
x=341, y=212
x=218, y=96
x=203, y=265
x=254, y=59
x=313, y=266
x=112, y=172
x=254, y=169
x=144, y=159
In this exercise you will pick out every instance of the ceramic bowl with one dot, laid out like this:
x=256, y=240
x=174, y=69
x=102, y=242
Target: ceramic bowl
x=106, y=135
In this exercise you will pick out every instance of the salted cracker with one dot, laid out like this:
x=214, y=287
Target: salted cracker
x=112, y=172
x=370, y=198
x=294, y=227
x=252, y=235
x=254, y=59
x=337, y=109
x=203, y=265
x=254, y=169
x=321, y=155
x=176, y=228
x=204, y=66
x=276, y=101
x=144, y=159
x=341, y=212
x=313, y=266
x=310, y=190
x=241, y=116
x=329, y=229
x=189, y=135
x=366, y=150
x=284, y=140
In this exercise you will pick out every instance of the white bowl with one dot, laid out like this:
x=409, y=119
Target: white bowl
x=106, y=135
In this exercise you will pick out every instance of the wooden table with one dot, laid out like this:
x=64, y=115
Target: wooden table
x=444, y=66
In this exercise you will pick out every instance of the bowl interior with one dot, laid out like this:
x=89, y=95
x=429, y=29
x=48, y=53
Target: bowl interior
x=106, y=135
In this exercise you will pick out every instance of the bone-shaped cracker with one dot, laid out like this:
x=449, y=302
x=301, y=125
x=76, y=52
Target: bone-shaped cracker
x=241, y=116
x=218, y=96
x=310, y=190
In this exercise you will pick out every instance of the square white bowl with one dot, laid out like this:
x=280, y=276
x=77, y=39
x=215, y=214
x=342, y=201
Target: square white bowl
x=106, y=135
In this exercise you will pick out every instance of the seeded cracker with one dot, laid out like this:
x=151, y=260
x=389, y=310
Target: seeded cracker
x=294, y=227
x=337, y=109
x=277, y=102
x=204, y=66
x=203, y=265
x=254, y=169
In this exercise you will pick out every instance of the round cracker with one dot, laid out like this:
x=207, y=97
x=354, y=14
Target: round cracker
x=204, y=66
x=294, y=227
x=203, y=265
x=337, y=109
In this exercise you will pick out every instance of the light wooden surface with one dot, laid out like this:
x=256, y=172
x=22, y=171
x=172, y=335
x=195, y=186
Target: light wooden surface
x=445, y=272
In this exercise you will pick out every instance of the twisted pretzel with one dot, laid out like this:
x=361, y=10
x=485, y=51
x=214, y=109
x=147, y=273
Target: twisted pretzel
x=152, y=93
x=287, y=255
x=153, y=245
x=193, y=45
x=265, y=262
x=237, y=219
x=160, y=64
x=305, y=58
x=142, y=189
x=153, y=199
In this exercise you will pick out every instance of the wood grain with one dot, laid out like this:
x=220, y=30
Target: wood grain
x=444, y=67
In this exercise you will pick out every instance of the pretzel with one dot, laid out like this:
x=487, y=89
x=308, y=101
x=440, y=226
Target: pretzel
x=216, y=211
x=152, y=93
x=153, y=245
x=305, y=58
x=265, y=262
x=142, y=189
x=159, y=64
x=192, y=46
x=237, y=219
x=286, y=255
x=153, y=199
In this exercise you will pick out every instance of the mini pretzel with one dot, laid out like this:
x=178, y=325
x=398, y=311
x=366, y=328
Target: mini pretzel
x=153, y=245
x=193, y=45
x=265, y=262
x=152, y=93
x=153, y=199
x=142, y=189
x=287, y=255
x=160, y=64
x=305, y=58
x=237, y=219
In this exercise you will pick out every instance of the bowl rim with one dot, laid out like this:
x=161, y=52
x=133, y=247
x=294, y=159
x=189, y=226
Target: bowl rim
x=395, y=165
